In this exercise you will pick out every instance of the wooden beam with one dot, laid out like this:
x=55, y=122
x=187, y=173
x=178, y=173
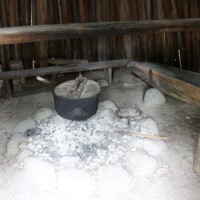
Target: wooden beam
x=63, y=69
x=36, y=33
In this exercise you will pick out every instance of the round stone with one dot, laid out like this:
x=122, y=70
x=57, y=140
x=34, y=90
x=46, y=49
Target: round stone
x=141, y=164
x=154, y=147
x=113, y=178
x=40, y=173
x=149, y=126
x=42, y=114
x=76, y=183
x=154, y=97
x=23, y=126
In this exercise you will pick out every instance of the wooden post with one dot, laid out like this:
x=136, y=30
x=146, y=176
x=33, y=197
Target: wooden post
x=197, y=159
x=18, y=84
x=41, y=10
x=108, y=75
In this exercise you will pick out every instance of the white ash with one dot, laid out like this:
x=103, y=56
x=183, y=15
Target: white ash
x=94, y=141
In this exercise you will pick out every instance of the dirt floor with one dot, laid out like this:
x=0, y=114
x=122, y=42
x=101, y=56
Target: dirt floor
x=171, y=178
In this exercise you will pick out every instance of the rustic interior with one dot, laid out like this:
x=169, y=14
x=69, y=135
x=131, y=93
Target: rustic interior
x=142, y=141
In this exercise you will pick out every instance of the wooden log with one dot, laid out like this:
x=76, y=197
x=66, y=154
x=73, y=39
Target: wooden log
x=36, y=33
x=197, y=159
x=64, y=69
x=181, y=84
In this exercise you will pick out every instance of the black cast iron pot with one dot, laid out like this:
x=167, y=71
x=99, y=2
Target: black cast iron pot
x=75, y=107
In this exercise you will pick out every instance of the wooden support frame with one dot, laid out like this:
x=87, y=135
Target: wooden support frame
x=24, y=34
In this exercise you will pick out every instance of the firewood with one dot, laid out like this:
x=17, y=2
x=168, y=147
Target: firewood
x=144, y=135
x=197, y=159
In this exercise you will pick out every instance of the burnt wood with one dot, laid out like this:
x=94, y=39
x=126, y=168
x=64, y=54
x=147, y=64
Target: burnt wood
x=24, y=34
x=63, y=69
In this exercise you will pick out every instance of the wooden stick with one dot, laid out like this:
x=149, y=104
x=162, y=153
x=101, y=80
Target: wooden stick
x=24, y=34
x=197, y=159
x=74, y=87
x=144, y=135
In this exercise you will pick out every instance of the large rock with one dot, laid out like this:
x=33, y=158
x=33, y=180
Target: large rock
x=42, y=114
x=14, y=143
x=154, y=97
x=76, y=183
x=23, y=126
x=69, y=161
x=154, y=147
x=19, y=136
x=141, y=164
x=113, y=178
x=148, y=126
x=40, y=173
x=103, y=83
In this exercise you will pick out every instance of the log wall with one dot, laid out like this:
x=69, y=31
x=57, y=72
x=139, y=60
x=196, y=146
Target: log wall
x=180, y=49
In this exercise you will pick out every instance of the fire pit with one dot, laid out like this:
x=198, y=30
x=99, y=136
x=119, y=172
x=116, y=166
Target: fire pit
x=77, y=99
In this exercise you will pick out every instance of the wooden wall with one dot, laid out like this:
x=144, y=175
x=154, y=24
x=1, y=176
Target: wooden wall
x=181, y=49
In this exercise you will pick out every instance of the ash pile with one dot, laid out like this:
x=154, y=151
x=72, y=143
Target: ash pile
x=89, y=144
